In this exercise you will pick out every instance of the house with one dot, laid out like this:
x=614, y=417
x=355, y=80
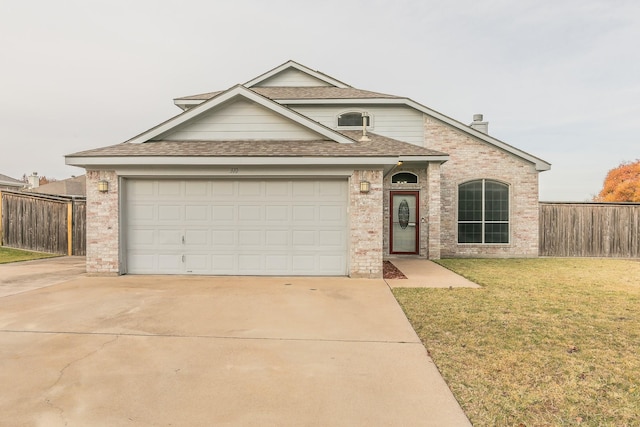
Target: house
x=8, y=183
x=297, y=173
x=74, y=186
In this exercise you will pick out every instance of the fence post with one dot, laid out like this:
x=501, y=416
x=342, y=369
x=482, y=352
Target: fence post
x=69, y=228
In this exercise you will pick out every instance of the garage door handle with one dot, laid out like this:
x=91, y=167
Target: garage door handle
x=183, y=240
x=182, y=258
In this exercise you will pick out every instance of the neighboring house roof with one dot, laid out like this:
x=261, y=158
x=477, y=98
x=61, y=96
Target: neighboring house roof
x=7, y=181
x=76, y=186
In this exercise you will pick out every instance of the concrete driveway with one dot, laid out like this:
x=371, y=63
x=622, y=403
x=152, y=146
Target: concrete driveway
x=203, y=351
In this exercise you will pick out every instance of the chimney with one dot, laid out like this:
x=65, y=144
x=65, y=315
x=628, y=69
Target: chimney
x=480, y=125
x=34, y=180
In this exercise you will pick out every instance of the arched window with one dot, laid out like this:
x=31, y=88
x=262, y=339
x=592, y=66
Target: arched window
x=483, y=212
x=404, y=178
x=352, y=119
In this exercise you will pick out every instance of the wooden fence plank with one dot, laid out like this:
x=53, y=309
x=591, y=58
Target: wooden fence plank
x=590, y=230
x=43, y=223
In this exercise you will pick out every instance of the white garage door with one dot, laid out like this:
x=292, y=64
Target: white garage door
x=241, y=227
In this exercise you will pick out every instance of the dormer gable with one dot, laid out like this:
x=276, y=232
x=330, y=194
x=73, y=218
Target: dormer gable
x=292, y=74
x=232, y=114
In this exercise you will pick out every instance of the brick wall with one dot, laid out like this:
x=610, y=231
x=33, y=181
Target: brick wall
x=102, y=224
x=470, y=159
x=366, y=225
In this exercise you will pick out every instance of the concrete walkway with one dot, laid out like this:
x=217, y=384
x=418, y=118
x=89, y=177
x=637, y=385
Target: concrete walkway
x=229, y=351
x=422, y=273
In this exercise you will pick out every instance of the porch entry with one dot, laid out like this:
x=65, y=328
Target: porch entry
x=405, y=224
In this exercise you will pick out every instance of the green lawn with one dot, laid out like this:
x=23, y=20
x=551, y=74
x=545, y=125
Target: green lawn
x=13, y=255
x=545, y=342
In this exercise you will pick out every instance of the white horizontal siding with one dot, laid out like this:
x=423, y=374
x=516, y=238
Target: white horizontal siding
x=398, y=122
x=240, y=120
x=292, y=77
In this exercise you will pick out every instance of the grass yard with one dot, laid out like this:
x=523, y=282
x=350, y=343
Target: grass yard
x=12, y=255
x=545, y=342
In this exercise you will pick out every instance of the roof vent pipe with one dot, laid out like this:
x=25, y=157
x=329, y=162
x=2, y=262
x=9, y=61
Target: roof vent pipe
x=480, y=125
x=365, y=120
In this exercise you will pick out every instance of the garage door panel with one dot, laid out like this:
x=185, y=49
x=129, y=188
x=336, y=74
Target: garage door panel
x=141, y=213
x=276, y=188
x=249, y=213
x=277, y=213
x=330, y=262
x=223, y=239
x=198, y=263
x=303, y=263
x=142, y=237
x=196, y=188
x=222, y=188
x=225, y=227
x=195, y=238
x=250, y=189
x=170, y=263
x=250, y=238
x=170, y=237
x=170, y=213
x=169, y=188
x=277, y=264
x=332, y=238
x=331, y=188
x=304, y=238
x=224, y=264
x=141, y=188
x=304, y=213
x=194, y=213
x=277, y=239
x=331, y=214
x=303, y=188
x=251, y=263
x=222, y=213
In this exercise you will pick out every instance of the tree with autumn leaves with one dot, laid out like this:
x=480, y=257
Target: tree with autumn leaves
x=622, y=184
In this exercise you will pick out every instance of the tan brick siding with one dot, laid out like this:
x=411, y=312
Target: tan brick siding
x=102, y=224
x=365, y=218
x=470, y=159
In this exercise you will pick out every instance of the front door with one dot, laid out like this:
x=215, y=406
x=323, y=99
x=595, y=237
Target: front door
x=404, y=230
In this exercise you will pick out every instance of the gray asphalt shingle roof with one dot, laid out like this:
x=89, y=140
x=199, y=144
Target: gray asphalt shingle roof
x=320, y=92
x=378, y=146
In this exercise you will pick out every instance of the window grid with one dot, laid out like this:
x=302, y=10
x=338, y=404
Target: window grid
x=352, y=119
x=483, y=212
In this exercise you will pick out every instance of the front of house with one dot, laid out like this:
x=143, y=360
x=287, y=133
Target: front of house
x=297, y=173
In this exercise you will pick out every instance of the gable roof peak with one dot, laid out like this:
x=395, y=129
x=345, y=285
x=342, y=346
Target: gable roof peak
x=290, y=64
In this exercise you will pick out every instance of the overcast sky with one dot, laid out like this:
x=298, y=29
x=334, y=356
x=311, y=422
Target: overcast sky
x=559, y=79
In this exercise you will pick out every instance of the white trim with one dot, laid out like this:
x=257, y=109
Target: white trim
x=240, y=91
x=292, y=64
x=237, y=173
x=212, y=161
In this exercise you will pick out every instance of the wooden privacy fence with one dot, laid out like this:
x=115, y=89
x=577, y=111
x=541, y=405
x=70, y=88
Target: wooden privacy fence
x=44, y=223
x=590, y=229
